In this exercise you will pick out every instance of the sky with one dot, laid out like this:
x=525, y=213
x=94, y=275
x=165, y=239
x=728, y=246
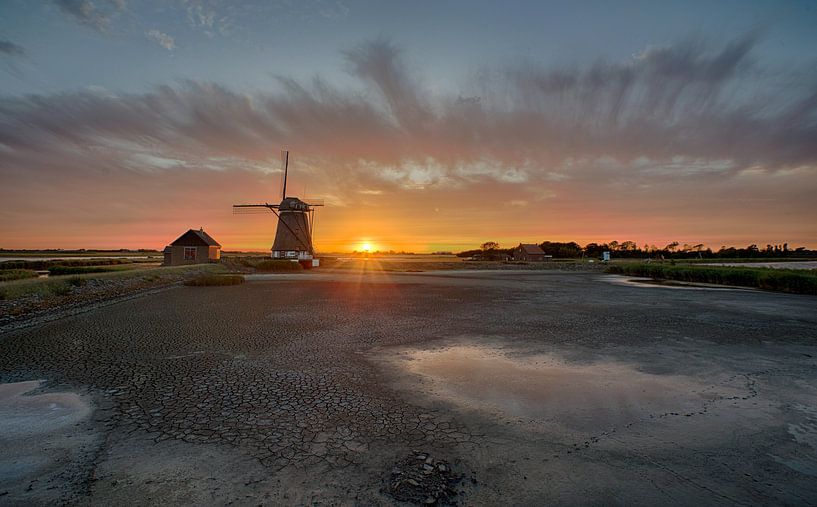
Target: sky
x=423, y=126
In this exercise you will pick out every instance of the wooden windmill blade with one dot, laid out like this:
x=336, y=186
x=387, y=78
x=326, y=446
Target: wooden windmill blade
x=253, y=209
x=285, y=163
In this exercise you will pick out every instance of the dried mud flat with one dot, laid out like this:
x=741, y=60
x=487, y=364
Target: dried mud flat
x=523, y=388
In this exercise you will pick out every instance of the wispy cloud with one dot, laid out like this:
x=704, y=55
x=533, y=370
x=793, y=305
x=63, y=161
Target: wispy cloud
x=8, y=48
x=162, y=39
x=95, y=15
x=685, y=101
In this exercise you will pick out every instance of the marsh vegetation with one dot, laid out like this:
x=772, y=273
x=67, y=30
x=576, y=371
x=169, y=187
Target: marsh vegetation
x=782, y=280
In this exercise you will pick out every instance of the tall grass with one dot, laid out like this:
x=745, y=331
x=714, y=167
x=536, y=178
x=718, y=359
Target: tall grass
x=48, y=264
x=209, y=280
x=799, y=281
x=16, y=274
x=38, y=287
x=277, y=266
x=49, y=287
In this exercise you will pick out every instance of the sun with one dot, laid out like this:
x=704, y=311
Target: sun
x=366, y=247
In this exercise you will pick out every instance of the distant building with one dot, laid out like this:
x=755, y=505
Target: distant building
x=192, y=247
x=529, y=252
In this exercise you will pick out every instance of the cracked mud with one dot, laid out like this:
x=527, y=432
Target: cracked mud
x=547, y=387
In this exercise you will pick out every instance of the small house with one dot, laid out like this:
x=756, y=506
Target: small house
x=192, y=247
x=529, y=252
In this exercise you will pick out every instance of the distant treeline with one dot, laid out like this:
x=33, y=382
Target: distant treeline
x=631, y=250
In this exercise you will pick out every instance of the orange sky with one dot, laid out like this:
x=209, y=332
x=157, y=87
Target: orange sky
x=135, y=211
x=654, y=149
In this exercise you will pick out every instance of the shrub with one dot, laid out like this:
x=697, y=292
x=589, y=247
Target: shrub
x=271, y=265
x=77, y=270
x=16, y=274
x=215, y=280
x=76, y=281
x=59, y=288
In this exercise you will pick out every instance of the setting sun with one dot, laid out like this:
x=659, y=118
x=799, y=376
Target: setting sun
x=366, y=247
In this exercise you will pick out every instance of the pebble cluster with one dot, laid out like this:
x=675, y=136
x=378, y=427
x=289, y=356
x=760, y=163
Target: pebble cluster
x=422, y=479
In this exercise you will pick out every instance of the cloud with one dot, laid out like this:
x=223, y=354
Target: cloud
x=687, y=101
x=163, y=39
x=8, y=48
x=691, y=124
x=93, y=15
x=200, y=13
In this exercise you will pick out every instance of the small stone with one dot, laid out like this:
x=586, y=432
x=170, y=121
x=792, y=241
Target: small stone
x=430, y=500
x=421, y=456
x=441, y=467
x=413, y=482
x=428, y=467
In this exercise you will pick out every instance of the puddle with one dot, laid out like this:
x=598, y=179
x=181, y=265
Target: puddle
x=40, y=440
x=805, y=434
x=589, y=397
x=24, y=416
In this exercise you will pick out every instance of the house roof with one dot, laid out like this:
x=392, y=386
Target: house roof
x=531, y=249
x=195, y=237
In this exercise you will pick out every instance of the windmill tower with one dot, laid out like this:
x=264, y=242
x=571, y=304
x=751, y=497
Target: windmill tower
x=293, y=237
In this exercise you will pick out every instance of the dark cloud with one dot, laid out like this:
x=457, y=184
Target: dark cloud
x=93, y=15
x=9, y=48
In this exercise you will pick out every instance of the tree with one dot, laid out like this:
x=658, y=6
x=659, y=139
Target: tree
x=489, y=246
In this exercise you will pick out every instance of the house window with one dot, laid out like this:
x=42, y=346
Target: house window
x=189, y=253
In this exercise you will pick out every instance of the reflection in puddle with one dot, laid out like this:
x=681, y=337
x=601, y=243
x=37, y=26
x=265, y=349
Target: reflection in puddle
x=544, y=389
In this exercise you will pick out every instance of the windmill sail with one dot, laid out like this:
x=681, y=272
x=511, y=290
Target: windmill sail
x=293, y=236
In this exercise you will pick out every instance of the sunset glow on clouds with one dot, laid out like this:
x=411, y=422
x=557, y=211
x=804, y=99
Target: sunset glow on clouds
x=695, y=140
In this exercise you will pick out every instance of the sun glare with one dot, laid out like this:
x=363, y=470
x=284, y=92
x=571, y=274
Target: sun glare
x=366, y=247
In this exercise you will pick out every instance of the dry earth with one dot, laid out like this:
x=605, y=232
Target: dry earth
x=527, y=388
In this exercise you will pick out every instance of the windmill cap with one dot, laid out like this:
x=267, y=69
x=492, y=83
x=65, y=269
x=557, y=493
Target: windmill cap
x=293, y=203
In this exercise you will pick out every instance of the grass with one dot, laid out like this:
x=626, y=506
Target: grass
x=781, y=280
x=16, y=274
x=210, y=280
x=78, y=270
x=61, y=286
x=38, y=287
x=48, y=264
x=277, y=266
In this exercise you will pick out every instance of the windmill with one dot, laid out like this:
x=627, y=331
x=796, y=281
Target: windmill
x=293, y=237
